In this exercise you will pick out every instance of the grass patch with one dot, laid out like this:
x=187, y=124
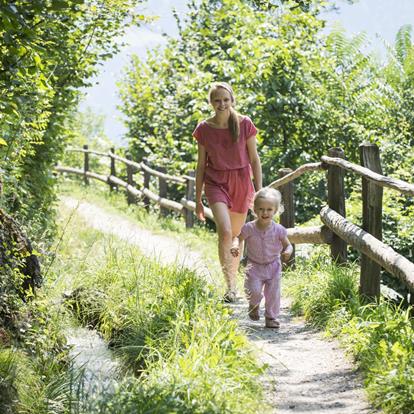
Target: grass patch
x=35, y=374
x=180, y=348
x=380, y=336
x=199, y=238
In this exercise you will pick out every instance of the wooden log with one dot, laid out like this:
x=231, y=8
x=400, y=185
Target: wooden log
x=189, y=178
x=370, y=276
x=112, y=180
x=384, y=255
x=384, y=181
x=131, y=199
x=336, y=201
x=191, y=205
x=137, y=166
x=312, y=235
x=316, y=166
x=189, y=195
x=147, y=179
x=287, y=218
x=71, y=170
x=162, y=190
x=130, y=189
x=167, y=177
x=113, y=171
x=99, y=177
x=85, y=164
x=163, y=202
x=100, y=153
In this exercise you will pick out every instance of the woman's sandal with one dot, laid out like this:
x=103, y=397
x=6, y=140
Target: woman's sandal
x=229, y=296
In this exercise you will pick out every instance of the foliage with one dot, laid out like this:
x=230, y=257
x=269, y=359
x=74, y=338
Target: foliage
x=321, y=288
x=34, y=364
x=49, y=49
x=306, y=91
x=165, y=322
x=86, y=128
x=379, y=335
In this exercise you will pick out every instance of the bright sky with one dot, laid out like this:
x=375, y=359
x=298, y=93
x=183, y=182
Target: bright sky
x=380, y=19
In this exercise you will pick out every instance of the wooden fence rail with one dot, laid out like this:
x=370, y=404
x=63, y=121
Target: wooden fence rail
x=336, y=231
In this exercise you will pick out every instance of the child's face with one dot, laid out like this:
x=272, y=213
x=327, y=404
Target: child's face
x=265, y=210
x=221, y=100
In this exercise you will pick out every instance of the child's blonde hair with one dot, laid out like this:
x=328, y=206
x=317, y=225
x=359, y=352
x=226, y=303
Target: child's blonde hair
x=268, y=193
x=234, y=123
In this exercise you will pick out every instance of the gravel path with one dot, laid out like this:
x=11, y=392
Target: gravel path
x=306, y=374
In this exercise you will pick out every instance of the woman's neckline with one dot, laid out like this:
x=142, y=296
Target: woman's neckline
x=211, y=126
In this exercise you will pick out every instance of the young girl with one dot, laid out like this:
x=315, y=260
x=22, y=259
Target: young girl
x=267, y=245
x=226, y=156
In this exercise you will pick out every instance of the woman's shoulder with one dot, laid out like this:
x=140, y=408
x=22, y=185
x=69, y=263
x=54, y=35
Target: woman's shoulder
x=244, y=118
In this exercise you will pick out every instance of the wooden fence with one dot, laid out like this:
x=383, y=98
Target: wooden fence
x=336, y=230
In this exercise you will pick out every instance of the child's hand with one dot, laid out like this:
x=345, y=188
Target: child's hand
x=285, y=256
x=234, y=251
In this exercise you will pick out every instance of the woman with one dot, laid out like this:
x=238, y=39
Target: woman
x=227, y=155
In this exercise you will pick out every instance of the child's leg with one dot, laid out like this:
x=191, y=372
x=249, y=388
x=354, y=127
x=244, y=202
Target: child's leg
x=253, y=286
x=272, y=297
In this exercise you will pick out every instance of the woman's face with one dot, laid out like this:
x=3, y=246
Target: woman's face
x=221, y=100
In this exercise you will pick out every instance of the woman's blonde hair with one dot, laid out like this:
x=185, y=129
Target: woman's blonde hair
x=270, y=194
x=234, y=123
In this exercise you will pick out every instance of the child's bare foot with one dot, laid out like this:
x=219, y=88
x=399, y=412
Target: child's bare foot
x=272, y=323
x=254, y=312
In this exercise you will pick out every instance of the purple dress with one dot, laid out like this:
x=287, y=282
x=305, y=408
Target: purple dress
x=264, y=266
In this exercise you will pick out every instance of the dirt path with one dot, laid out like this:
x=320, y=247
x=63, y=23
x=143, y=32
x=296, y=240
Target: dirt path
x=306, y=374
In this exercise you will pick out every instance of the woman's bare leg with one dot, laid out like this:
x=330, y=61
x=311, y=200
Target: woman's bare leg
x=228, y=226
x=237, y=221
x=225, y=236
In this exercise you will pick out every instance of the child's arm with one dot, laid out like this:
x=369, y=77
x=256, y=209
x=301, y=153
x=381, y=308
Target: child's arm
x=287, y=249
x=235, y=247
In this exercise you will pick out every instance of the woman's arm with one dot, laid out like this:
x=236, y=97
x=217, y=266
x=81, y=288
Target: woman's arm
x=255, y=162
x=201, y=165
x=235, y=246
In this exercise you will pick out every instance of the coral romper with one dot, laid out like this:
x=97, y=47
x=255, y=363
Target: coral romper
x=227, y=176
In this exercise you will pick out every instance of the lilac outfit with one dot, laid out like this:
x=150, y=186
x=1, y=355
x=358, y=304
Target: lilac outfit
x=264, y=267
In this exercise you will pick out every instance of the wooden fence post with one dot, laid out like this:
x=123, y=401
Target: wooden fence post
x=113, y=171
x=336, y=201
x=85, y=164
x=287, y=218
x=162, y=191
x=370, y=276
x=147, y=177
x=189, y=195
x=130, y=180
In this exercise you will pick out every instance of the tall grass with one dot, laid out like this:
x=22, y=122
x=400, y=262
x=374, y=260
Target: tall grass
x=380, y=336
x=35, y=374
x=198, y=238
x=180, y=349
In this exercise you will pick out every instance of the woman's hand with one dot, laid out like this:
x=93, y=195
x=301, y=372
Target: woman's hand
x=200, y=211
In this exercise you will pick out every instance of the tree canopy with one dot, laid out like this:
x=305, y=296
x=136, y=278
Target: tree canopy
x=48, y=50
x=305, y=90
